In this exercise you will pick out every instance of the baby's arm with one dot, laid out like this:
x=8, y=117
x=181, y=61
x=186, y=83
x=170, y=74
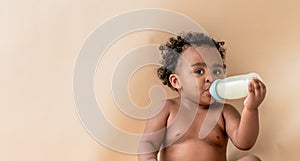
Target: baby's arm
x=153, y=136
x=243, y=130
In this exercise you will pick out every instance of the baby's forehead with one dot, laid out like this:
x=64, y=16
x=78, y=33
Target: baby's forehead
x=204, y=54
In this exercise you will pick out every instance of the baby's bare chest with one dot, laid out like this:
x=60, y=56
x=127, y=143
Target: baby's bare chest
x=186, y=144
x=186, y=129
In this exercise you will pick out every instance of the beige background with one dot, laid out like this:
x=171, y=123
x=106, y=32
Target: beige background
x=40, y=41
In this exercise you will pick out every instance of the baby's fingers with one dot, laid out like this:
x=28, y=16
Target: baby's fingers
x=259, y=88
x=263, y=88
x=251, y=87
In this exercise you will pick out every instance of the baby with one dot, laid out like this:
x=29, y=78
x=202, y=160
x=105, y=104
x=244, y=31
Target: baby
x=182, y=130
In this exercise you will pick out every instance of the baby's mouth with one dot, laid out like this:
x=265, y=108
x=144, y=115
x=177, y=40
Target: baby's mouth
x=206, y=92
x=206, y=88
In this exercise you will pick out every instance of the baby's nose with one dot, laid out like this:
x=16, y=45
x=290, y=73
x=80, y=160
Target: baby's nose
x=208, y=79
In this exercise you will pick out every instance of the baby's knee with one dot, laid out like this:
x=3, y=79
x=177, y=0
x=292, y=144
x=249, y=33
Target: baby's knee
x=250, y=158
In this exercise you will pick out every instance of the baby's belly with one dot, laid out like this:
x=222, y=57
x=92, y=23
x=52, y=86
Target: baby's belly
x=193, y=150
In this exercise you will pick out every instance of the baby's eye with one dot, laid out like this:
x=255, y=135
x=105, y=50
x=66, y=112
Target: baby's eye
x=199, y=71
x=217, y=72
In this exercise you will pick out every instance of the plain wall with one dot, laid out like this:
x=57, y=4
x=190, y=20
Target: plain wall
x=40, y=42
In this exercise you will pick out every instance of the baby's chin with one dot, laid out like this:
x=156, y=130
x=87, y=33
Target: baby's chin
x=206, y=100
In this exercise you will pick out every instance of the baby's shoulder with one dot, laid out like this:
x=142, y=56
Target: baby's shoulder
x=172, y=103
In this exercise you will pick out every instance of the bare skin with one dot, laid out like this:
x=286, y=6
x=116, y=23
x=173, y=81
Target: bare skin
x=180, y=120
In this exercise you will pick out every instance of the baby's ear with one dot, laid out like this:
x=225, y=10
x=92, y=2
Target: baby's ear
x=174, y=80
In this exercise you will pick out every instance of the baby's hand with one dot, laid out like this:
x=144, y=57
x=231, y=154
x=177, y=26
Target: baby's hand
x=256, y=94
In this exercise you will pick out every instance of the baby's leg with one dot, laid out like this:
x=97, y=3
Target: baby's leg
x=250, y=158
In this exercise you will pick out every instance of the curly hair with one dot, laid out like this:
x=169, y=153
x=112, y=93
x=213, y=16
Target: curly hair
x=174, y=48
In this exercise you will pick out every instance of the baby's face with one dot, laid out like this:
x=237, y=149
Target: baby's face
x=197, y=68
